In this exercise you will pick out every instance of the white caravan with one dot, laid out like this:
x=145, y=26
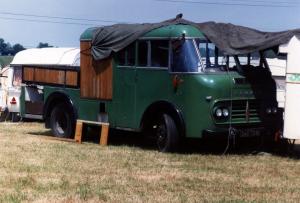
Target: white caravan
x=37, y=56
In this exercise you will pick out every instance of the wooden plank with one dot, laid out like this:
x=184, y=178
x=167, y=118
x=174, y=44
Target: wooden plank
x=104, y=135
x=85, y=67
x=78, y=131
x=49, y=76
x=93, y=122
x=103, y=79
x=96, y=76
x=28, y=74
x=71, y=78
x=103, y=131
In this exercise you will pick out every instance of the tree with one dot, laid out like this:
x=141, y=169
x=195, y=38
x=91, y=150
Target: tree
x=43, y=45
x=7, y=49
x=3, y=46
x=16, y=48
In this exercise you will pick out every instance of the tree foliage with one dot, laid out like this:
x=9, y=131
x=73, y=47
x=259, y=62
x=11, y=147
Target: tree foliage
x=43, y=45
x=6, y=49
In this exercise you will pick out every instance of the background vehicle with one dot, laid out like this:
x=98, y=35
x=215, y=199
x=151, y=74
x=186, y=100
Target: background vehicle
x=10, y=90
x=42, y=65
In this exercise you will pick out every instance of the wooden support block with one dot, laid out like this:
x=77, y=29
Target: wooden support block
x=103, y=131
x=104, y=134
x=78, y=132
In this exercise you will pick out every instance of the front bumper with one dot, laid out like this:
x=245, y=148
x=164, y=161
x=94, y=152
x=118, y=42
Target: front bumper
x=238, y=132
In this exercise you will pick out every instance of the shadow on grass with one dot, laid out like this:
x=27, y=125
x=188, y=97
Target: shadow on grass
x=217, y=146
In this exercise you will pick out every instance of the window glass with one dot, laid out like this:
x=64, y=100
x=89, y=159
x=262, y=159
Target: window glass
x=121, y=57
x=159, y=53
x=126, y=57
x=184, y=57
x=207, y=52
x=17, y=78
x=131, y=55
x=143, y=53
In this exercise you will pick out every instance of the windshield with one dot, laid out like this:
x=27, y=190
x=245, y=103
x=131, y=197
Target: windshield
x=196, y=55
x=211, y=56
x=184, y=57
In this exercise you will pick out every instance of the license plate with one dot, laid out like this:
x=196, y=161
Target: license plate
x=249, y=132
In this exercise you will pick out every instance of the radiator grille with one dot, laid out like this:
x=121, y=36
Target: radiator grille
x=245, y=111
x=242, y=111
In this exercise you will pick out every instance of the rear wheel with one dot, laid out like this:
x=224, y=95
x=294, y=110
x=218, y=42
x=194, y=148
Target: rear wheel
x=61, y=121
x=167, y=134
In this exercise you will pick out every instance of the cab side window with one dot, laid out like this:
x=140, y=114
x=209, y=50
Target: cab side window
x=160, y=53
x=126, y=57
x=153, y=53
x=143, y=53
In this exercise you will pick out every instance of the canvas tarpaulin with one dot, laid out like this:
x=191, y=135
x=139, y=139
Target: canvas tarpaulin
x=229, y=38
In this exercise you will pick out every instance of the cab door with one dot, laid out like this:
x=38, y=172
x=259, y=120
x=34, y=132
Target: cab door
x=124, y=88
x=153, y=81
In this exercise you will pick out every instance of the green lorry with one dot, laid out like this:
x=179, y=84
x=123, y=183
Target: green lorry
x=171, y=83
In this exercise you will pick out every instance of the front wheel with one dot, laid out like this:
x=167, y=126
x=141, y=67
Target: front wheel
x=61, y=121
x=167, y=134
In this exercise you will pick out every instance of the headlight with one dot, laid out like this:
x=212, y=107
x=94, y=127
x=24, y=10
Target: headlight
x=225, y=112
x=221, y=112
x=274, y=110
x=218, y=113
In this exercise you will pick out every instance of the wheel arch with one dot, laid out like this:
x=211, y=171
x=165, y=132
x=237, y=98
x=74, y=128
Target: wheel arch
x=157, y=108
x=54, y=99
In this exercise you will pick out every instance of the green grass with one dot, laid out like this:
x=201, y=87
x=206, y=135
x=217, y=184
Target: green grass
x=34, y=168
x=5, y=60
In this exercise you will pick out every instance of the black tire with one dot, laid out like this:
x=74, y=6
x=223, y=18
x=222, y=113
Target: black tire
x=15, y=117
x=4, y=115
x=62, y=122
x=167, y=134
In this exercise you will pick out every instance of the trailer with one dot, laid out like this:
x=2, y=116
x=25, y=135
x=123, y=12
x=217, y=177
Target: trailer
x=10, y=89
x=39, y=67
x=292, y=91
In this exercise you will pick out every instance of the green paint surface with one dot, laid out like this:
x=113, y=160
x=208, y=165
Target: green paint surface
x=164, y=32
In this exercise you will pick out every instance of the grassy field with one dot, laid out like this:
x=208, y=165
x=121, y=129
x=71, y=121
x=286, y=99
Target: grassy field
x=34, y=168
x=5, y=60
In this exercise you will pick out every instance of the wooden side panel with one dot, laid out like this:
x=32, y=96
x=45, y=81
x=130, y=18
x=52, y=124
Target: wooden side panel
x=72, y=78
x=49, y=76
x=28, y=74
x=96, y=76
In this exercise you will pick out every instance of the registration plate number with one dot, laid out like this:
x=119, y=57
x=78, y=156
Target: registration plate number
x=249, y=132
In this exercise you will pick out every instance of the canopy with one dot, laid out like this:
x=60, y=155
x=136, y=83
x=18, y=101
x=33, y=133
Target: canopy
x=48, y=56
x=231, y=39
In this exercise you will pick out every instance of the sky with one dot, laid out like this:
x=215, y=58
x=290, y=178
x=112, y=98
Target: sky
x=21, y=20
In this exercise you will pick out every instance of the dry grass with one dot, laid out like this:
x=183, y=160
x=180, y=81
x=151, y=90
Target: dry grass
x=36, y=169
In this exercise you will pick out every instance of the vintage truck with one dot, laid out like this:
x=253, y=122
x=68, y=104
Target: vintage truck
x=170, y=82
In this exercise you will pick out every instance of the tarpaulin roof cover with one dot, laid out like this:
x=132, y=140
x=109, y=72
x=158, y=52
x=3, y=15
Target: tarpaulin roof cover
x=231, y=39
